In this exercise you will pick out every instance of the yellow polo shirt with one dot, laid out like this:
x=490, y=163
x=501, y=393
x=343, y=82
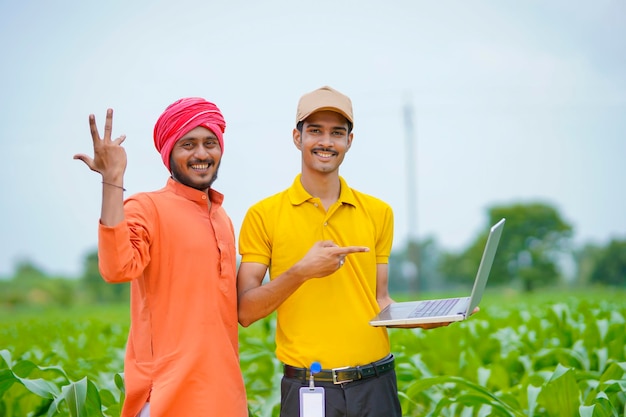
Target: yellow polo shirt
x=326, y=319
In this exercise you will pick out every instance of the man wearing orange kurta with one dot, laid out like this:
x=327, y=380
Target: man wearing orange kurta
x=177, y=248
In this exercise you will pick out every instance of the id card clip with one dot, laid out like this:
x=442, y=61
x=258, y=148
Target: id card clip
x=315, y=368
x=312, y=397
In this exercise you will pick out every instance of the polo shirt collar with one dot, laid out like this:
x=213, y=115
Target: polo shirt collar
x=298, y=195
x=193, y=194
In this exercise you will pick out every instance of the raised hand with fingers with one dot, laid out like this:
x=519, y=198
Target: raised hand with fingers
x=110, y=161
x=109, y=156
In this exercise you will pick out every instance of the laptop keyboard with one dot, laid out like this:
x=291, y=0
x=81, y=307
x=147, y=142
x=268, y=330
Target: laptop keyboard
x=433, y=308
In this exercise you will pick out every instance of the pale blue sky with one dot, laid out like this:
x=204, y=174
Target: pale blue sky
x=514, y=102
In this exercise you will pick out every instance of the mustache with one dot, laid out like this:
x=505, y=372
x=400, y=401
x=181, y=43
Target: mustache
x=209, y=161
x=320, y=149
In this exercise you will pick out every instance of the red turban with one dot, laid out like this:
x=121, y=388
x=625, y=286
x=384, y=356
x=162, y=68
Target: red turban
x=183, y=116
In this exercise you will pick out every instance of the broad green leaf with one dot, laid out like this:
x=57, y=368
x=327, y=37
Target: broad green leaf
x=6, y=356
x=119, y=382
x=613, y=385
x=616, y=370
x=6, y=381
x=478, y=391
x=483, y=375
x=41, y=387
x=444, y=403
x=93, y=403
x=55, y=370
x=602, y=355
x=602, y=407
x=54, y=406
x=603, y=327
x=532, y=392
x=548, y=358
x=474, y=401
x=612, y=380
x=617, y=317
x=560, y=395
x=586, y=410
x=107, y=398
x=75, y=395
x=23, y=368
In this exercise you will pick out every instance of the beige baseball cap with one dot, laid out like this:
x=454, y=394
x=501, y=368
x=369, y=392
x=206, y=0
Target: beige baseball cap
x=324, y=98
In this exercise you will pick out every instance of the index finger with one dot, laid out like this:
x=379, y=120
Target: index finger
x=345, y=250
x=93, y=128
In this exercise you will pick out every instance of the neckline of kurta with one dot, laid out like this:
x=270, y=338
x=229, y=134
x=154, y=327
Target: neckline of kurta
x=193, y=194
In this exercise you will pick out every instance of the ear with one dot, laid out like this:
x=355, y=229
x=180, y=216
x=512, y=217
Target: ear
x=297, y=139
x=350, y=137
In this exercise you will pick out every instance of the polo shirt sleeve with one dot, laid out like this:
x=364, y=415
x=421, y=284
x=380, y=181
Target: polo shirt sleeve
x=385, y=239
x=254, y=239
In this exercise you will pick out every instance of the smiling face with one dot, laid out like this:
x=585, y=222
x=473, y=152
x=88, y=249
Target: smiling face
x=324, y=141
x=195, y=159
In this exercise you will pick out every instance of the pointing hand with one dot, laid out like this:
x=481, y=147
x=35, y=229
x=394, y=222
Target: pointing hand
x=325, y=257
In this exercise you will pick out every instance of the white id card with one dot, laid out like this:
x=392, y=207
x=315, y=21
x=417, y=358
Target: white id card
x=312, y=402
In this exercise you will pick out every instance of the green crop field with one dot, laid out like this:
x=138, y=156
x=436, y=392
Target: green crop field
x=553, y=353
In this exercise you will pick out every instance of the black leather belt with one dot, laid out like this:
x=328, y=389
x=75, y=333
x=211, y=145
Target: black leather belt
x=342, y=375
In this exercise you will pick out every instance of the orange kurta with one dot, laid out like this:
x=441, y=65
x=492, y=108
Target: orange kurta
x=182, y=350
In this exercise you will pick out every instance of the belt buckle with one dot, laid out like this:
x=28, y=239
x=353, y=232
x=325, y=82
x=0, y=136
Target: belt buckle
x=336, y=381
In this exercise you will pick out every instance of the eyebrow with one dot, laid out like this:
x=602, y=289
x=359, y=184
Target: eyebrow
x=334, y=127
x=209, y=136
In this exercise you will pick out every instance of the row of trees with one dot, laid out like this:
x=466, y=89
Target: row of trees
x=535, y=250
x=31, y=286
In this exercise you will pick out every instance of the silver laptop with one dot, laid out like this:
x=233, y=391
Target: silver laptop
x=445, y=309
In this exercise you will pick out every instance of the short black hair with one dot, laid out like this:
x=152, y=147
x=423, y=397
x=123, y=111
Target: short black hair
x=300, y=125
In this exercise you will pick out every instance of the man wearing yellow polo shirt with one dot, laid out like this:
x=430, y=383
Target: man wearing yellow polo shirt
x=327, y=247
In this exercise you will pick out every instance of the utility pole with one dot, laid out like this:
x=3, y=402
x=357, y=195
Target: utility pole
x=411, y=263
x=411, y=162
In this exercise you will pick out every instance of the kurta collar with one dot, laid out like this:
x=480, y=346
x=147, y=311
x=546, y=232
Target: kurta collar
x=192, y=194
x=298, y=195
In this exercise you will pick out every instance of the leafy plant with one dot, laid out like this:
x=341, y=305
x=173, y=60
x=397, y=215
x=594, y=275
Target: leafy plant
x=554, y=356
